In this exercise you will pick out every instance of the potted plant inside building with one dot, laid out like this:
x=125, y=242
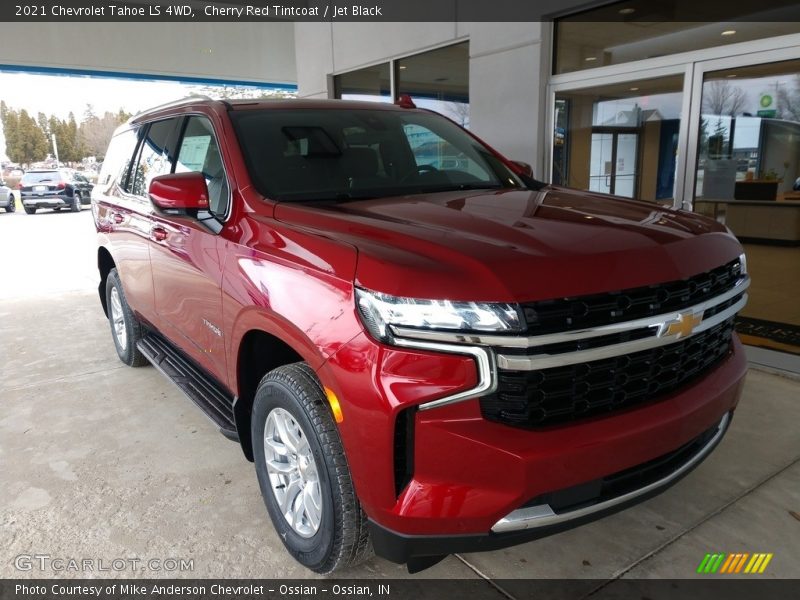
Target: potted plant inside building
x=763, y=188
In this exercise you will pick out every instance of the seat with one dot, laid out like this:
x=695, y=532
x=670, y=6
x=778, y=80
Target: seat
x=360, y=165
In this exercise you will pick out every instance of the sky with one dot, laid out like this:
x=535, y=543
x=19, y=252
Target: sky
x=61, y=94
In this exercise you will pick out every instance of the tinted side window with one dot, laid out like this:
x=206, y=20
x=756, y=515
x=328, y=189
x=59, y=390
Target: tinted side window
x=155, y=156
x=199, y=152
x=118, y=160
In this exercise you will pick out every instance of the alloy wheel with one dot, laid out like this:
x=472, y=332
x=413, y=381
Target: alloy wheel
x=293, y=474
x=118, y=319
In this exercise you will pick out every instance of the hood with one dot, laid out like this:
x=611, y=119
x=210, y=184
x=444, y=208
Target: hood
x=516, y=245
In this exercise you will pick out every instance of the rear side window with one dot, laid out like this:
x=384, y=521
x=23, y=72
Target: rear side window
x=199, y=152
x=118, y=160
x=156, y=156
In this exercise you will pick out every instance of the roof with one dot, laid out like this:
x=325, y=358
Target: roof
x=268, y=103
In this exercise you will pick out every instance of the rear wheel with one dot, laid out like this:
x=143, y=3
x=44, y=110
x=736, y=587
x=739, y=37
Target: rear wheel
x=31, y=210
x=76, y=202
x=303, y=474
x=12, y=205
x=125, y=327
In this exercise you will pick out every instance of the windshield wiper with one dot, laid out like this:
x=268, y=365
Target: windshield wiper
x=461, y=187
x=340, y=197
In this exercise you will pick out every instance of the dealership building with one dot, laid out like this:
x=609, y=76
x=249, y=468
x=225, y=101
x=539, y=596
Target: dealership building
x=616, y=98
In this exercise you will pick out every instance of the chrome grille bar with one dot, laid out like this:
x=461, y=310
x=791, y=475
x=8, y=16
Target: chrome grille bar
x=502, y=341
x=545, y=361
x=482, y=347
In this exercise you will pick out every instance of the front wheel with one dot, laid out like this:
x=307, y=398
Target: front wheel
x=30, y=210
x=76, y=202
x=125, y=327
x=12, y=205
x=303, y=474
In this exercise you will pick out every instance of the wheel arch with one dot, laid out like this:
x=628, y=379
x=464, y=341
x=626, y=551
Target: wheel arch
x=105, y=262
x=259, y=352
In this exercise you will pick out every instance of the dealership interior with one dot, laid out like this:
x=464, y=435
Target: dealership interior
x=696, y=116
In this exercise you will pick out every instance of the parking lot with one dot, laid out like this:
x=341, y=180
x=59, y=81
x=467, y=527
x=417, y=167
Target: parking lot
x=102, y=461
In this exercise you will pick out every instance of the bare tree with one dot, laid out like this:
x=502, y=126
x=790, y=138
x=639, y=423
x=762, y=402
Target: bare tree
x=235, y=92
x=721, y=98
x=789, y=102
x=459, y=111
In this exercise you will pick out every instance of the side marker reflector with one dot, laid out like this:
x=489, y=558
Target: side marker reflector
x=335, y=407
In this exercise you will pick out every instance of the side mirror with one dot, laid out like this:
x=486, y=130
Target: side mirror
x=525, y=167
x=179, y=191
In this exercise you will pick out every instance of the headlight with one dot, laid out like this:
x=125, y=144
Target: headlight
x=743, y=264
x=379, y=311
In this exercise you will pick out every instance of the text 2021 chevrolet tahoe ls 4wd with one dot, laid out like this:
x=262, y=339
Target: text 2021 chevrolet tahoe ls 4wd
x=421, y=356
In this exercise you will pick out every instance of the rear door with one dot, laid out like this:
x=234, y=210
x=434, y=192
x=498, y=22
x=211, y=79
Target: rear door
x=82, y=185
x=124, y=211
x=187, y=255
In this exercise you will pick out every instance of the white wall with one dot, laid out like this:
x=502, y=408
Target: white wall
x=262, y=52
x=506, y=80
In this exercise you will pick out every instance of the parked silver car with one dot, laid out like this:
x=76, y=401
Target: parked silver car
x=6, y=197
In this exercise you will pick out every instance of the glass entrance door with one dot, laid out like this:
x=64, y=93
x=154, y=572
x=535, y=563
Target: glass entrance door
x=612, y=162
x=748, y=177
x=620, y=138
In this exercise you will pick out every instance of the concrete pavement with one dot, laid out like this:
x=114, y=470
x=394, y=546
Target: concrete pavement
x=103, y=461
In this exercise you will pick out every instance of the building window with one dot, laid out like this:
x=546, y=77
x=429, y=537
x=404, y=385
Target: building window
x=639, y=29
x=620, y=139
x=438, y=80
x=749, y=138
x=370, y=84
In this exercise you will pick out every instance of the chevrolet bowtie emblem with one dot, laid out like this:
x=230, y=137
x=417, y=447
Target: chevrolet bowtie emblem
x=683, y=325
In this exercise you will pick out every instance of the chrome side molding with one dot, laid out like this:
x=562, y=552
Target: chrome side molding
x=543, y=515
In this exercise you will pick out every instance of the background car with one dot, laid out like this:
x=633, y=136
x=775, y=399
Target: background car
x=54, y=188
x=6, y=197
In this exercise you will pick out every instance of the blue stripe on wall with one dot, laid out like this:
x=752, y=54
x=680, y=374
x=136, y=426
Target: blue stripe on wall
x=141, y=77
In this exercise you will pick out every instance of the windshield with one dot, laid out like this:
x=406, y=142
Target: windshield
x=40, y=177
x=341, y=154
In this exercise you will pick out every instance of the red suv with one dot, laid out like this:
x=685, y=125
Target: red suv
x=421, y=357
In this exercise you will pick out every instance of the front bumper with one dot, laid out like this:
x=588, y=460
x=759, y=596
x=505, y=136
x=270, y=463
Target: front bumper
x=540, y=518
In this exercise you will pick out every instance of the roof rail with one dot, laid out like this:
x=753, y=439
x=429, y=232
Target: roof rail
x=173, y=103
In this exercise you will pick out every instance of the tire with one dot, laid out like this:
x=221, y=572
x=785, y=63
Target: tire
x=12, y=205
x=125, y=328
x=30, y=210
x=341, y=539
x=76, y=202
x=57, y=209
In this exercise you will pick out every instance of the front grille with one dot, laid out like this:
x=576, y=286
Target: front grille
x=568, y=314
x=559, y=394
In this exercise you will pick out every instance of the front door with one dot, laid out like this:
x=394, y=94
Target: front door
x=187, y=256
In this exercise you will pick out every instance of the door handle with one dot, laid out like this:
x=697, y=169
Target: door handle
x=159, y=234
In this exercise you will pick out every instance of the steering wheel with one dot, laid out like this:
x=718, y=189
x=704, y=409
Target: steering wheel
x=420, y=169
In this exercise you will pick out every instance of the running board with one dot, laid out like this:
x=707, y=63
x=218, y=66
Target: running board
x=201, y=389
